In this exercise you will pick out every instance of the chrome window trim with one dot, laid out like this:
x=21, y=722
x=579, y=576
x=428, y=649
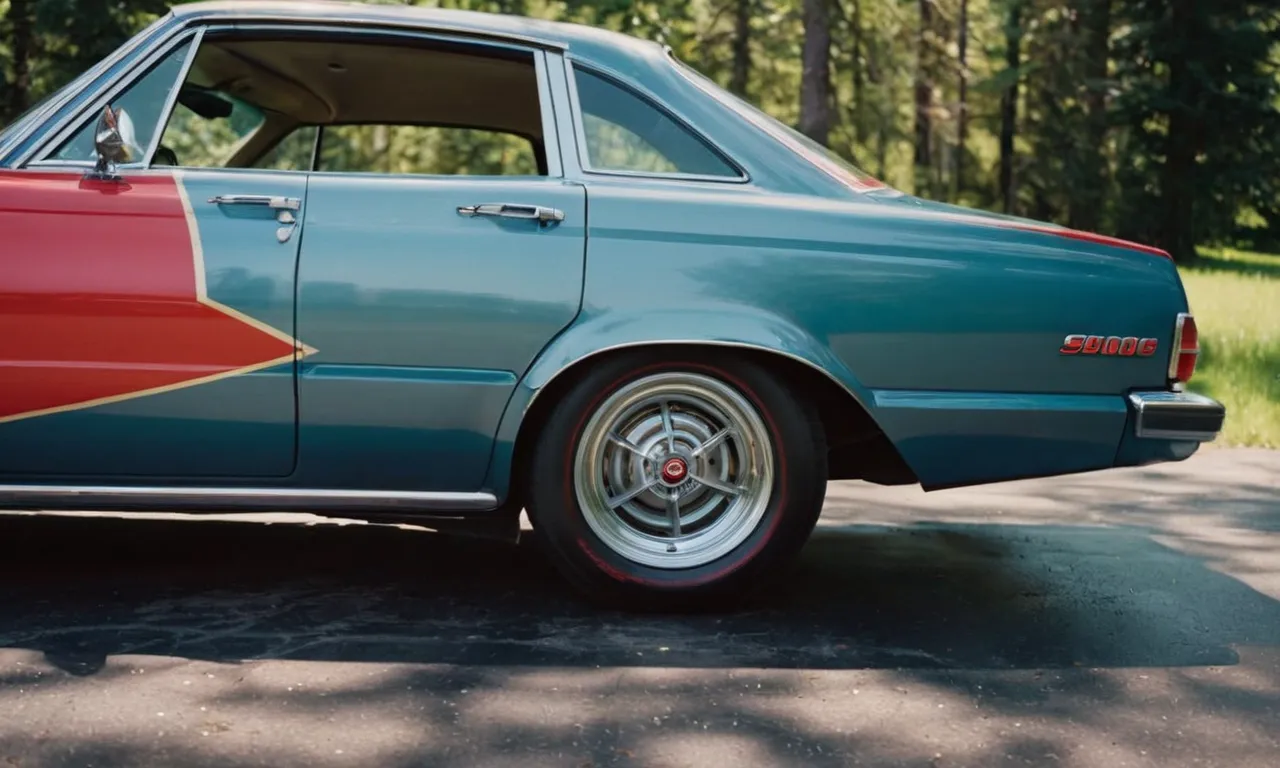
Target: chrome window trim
x=550, y=131
x=250, y=18
x=166, y=112
x=80, y=165
x=580, y=135
x=67, y=127
x=561, y=103
x=38, y=119
x=275, y=499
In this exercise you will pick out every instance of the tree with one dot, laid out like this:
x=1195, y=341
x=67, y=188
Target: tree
x=1090, y=194
x=1199, y=103
x=924, y=98
x=1009, y=102
x=962, y=107
x=19, y=25
x=741, y=47
x=815, y=78
x=1155, y=120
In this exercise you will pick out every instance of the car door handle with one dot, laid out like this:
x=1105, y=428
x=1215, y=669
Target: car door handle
x=266, y=201
x=539, y=213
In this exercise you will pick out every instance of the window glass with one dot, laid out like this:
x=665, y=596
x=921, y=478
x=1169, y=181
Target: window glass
x=292, y=153
x=626, y=133
x=815, y=153
x=206, y=128
x=431, y=150
x=141, y=106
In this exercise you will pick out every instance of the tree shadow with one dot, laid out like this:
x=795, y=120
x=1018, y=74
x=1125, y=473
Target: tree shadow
x=1269, y=268
x=474, y=653
x=923, y=596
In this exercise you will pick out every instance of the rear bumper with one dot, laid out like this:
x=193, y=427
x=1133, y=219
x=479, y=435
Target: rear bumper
x=1176, y=416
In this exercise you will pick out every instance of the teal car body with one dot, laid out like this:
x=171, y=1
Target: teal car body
x=428, y=342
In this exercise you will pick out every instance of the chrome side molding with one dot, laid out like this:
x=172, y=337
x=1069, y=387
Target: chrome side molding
x=156, y=498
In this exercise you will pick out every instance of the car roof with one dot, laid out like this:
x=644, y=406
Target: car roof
x=545, y=33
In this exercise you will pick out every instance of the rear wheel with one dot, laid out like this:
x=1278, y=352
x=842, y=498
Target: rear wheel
x=676, y=482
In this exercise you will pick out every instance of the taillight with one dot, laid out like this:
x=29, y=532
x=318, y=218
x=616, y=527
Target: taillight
x=1186, y=350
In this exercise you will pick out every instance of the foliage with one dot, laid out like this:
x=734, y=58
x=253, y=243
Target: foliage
x=1157, y=120
x=1236, y=299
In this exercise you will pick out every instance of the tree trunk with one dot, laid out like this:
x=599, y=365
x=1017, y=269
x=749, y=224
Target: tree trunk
x=1089, y=199
x=883, y=111
x=924, y=100
x=20, y=29
x=1009, y=103
x=815, y=77
x=962, y=117
x=1177, y=231
x=859, y=89
x=741, y=47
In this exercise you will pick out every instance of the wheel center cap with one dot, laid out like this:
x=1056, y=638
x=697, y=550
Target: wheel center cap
x=674, y=470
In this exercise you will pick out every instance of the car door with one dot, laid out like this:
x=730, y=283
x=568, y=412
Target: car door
x=429, y=280
x=147, y=323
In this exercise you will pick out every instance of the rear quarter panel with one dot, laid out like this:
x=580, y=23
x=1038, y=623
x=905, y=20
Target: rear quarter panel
x=948, y=330
x=907, y=300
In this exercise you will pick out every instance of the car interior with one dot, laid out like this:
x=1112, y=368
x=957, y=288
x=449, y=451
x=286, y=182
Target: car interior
x=316, y=104
x=365, y=103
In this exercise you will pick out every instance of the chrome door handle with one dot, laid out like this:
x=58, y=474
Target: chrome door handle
x=266, y=201
x=538, y=213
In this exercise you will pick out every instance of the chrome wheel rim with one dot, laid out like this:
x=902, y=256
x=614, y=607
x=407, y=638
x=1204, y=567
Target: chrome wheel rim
x=674, y=470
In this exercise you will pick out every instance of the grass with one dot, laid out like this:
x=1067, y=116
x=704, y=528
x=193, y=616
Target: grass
x=1235, y=296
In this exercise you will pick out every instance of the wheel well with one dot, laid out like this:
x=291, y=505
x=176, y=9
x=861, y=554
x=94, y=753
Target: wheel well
x=857, y=447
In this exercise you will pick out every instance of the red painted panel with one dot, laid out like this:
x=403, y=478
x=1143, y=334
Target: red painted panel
x=1089, y=237
x=99, y=297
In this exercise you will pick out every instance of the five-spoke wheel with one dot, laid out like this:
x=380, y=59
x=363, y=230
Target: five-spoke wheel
x=674, y=480
x=674, y=470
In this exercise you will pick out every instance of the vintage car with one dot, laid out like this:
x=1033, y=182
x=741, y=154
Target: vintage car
x=443, y=267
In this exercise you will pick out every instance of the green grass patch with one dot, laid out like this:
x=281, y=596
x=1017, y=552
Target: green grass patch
x=1235, y=296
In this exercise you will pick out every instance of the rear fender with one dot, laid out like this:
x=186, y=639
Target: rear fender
x=732, y=327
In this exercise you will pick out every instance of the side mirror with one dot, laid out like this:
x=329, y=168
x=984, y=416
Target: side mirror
x=110, y=145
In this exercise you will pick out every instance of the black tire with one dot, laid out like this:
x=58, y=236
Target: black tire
x=603, y=575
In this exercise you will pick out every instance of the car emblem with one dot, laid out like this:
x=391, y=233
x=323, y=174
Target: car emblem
x=1111, y=346
x=674, y=470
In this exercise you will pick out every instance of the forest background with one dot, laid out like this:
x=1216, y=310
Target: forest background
x=1152, y=120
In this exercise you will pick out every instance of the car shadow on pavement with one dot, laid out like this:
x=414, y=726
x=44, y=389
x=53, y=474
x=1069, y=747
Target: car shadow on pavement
x=922, y=596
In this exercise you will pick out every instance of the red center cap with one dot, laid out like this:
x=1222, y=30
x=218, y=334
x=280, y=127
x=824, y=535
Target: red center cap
x=674, y=470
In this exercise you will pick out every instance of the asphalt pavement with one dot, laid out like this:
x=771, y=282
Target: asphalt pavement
x=1124, y=618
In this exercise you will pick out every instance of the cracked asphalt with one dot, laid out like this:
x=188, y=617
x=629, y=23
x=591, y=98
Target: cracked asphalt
x=1124, y=618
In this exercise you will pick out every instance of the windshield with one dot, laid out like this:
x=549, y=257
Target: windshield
x=822, y=157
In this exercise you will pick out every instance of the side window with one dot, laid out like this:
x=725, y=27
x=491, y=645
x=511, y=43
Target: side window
x=292, y=153
x=263, y=100
x=141, y=105
x=206, y=128
x=426, y=150
x=626, y=133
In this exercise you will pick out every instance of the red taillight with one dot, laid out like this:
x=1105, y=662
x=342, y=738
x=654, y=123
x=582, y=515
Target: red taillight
x=1186, y=350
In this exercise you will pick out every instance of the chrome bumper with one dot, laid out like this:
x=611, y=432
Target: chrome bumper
x=1177, y=416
